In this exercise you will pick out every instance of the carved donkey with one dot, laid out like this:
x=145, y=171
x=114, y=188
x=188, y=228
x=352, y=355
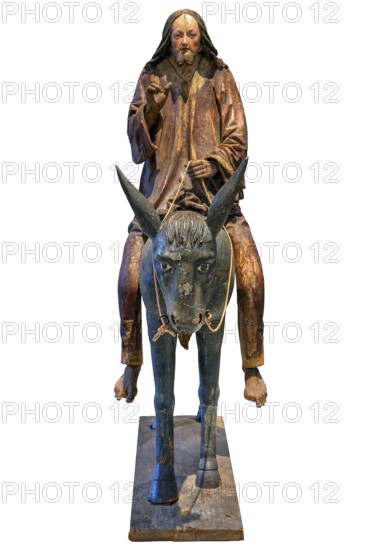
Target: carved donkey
x=186, y=280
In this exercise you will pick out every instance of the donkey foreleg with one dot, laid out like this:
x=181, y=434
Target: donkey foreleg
x=209, y=348
x=164, y=488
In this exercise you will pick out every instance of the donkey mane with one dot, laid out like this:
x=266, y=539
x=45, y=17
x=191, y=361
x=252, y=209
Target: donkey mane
x=186, y=228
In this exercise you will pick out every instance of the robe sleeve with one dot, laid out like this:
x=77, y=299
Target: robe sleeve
x=144, y=141
x=233, y=147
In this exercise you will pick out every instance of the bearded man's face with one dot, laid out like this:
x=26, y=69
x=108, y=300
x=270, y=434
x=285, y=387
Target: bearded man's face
x=185, y=39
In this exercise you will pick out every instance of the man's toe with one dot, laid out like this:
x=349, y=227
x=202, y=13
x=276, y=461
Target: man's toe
x=262, y=400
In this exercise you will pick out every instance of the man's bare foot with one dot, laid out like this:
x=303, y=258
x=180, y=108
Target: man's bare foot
x=255, y=387
x=126, y=386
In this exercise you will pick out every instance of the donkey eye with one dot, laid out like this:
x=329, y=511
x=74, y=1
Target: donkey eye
x=165, y=267
x=203, y=268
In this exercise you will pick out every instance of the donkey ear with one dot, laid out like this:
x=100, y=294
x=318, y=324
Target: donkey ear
x=224, y=199
x=145, y=213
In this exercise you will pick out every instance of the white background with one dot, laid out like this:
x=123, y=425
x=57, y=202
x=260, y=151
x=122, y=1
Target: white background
x=310, y=380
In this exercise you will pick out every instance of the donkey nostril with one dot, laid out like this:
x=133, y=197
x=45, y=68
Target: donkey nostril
x=198, y=319
x=173, y=320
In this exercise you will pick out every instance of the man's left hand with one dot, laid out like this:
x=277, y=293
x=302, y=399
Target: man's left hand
x=202, y=169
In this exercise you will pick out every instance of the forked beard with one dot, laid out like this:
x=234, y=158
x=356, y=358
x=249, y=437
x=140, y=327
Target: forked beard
x=185, y=58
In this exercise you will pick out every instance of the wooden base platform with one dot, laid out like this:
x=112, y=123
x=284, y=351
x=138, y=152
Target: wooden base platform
x=199, y=514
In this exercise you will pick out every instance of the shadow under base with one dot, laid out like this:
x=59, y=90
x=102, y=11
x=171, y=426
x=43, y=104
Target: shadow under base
x=199, y=514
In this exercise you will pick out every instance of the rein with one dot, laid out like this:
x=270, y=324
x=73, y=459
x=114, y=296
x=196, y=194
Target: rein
x=163, y=329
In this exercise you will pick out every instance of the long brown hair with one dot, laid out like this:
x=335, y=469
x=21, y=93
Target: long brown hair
x=163, y=49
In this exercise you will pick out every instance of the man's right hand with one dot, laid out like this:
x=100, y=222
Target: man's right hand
x=156, y=96
x=126, y=386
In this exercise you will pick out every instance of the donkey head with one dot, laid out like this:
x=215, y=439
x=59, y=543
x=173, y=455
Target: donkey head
x=184, y=250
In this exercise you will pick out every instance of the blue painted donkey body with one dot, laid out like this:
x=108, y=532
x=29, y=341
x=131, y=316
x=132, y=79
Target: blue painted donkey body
x=186, y=280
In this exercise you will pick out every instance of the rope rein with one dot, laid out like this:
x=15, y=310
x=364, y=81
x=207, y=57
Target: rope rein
x=164, y=328
x=208, y=315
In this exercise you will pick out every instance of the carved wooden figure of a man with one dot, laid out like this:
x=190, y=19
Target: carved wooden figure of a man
x=187, y=107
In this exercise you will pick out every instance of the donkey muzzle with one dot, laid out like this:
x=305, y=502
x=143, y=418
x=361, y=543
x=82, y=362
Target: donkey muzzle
x=183, y=325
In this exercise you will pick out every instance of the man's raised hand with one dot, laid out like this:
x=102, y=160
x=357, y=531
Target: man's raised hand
x=156, y=96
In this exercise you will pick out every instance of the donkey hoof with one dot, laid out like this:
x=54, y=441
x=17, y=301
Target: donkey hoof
x=208, y=479
x=163, y=492
x=164, y=487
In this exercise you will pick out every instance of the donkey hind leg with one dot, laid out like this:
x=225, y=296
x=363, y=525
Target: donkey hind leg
x=164, y=487
x=209, y=349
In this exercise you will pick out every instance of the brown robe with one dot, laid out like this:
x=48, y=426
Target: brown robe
x=202, y=119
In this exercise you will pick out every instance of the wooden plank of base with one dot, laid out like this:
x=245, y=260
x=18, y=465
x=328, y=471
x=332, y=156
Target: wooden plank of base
x=199, y=514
